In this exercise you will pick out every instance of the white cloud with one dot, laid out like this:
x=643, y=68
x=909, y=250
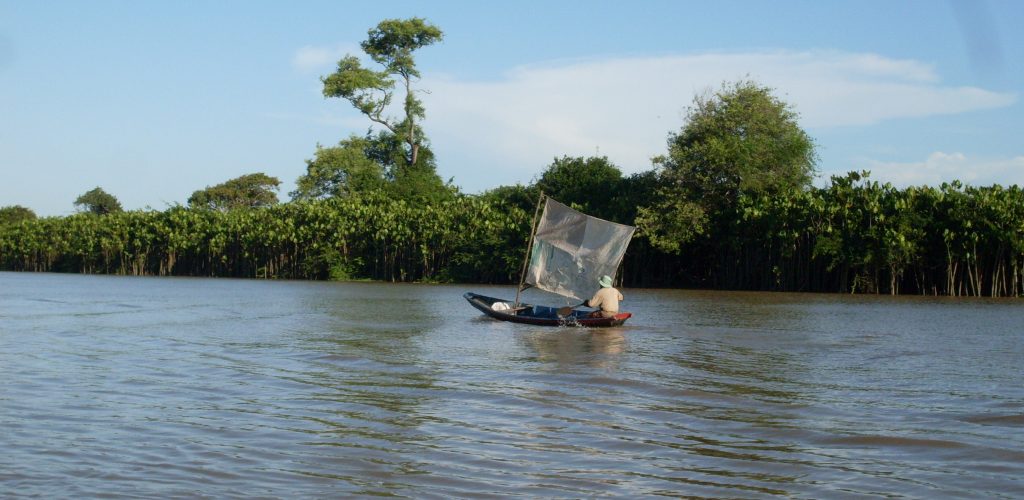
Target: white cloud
x=319, y=58
x=942, y=167
x=507, y=131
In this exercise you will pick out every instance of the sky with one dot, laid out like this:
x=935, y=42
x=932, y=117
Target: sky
x=154, y=100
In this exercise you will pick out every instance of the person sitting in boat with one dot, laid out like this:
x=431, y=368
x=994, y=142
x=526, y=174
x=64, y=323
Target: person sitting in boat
x=606, y=300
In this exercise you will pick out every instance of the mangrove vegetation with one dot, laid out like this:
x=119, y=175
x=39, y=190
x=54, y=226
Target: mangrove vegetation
x=730, y=205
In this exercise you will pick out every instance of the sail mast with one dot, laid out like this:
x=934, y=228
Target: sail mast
x=529, y=247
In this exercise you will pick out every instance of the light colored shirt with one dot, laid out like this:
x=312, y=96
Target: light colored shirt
x=607, y=300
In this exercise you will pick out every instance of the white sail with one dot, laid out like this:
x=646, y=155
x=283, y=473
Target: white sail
x=572, y=250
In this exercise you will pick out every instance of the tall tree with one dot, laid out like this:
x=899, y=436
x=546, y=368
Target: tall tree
x=247, y=191
x=739, y=140
x=98, y=202
x=391, y=45
x=14, y=214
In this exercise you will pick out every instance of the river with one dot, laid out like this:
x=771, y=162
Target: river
x=185, y=387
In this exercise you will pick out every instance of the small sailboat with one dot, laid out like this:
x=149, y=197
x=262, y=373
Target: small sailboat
x=569, y=252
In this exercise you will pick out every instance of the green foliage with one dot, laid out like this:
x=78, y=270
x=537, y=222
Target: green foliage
x=339, y=171
x=391, y=44
x=415, y=183
x=670, y=223
x=496, y=243
x=393, y=41
x=854, y=235
x=98, y=201
x=369, y=164
x=247, y=191
x=402, y=150
x=14, y=214
x=518, y=196
x=369, y=91
x=857, y=235
x=740, y=141
x=364, y=236
x=385, y=149
x=588, y=184
x=420, y=185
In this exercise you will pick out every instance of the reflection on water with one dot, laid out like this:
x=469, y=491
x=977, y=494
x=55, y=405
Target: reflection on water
x=196, y=387
x=567, y=348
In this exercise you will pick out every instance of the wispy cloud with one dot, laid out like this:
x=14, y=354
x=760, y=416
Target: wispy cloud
x=942, y=167
x=507, y=131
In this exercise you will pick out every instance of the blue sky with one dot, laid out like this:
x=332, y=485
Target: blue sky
x=154, y=100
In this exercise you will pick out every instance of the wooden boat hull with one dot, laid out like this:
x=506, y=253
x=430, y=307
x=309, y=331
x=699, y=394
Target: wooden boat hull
x=540, y=315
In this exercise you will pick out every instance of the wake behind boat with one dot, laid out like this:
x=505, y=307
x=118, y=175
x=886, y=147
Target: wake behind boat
x=569, y=252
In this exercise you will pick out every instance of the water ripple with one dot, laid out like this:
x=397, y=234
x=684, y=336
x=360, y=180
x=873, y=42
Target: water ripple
x=127, y=387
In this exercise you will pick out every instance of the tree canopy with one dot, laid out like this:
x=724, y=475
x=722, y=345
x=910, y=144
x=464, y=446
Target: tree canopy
x=98, y=202
x=364, y=164
x=391, y=45
x=15, y=213
x=340, y=170
x=740, y=140
x=418, y=183
x=588, y=183
x=247, y=191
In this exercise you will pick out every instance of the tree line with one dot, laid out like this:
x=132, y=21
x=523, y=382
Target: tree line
x=855, y=235
x=730, y=205
x=368, y=236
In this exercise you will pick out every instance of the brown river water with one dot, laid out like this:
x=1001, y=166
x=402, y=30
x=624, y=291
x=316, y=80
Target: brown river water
x=182, y=387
